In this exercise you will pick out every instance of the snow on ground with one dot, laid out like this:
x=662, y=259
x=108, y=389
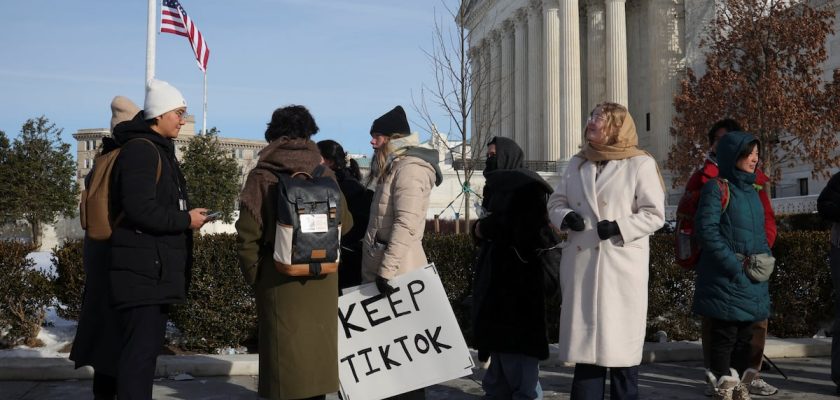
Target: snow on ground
x=56, y=333
x=42, y=261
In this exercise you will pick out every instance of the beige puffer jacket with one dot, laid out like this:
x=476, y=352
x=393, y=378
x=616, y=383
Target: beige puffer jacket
x=393, y=242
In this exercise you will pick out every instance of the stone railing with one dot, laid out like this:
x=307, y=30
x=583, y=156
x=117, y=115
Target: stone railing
x=536, y=166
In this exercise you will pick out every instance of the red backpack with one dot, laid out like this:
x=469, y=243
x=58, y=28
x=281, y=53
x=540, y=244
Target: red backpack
x=686, y=248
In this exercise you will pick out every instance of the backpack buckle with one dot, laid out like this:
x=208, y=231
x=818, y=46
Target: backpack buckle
x=333, y=207
x=315, y=269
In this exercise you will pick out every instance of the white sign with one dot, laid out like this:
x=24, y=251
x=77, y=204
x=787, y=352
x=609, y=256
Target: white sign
x=389, y=345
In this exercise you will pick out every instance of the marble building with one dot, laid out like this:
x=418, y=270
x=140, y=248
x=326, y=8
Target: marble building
x=89, y=141
x=546, y=63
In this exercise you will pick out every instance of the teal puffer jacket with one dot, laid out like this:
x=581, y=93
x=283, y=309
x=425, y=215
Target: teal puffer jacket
x=722, y=289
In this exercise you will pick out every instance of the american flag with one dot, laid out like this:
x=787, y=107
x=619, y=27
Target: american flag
x=175, y=20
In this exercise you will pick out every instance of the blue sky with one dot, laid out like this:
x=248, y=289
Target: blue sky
x=348, y=61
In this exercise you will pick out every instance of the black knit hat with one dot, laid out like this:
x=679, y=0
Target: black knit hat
x=391, y=123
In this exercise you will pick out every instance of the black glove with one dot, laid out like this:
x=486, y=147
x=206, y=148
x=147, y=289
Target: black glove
x=574, y=222
x=384, y=287
x=607, y=229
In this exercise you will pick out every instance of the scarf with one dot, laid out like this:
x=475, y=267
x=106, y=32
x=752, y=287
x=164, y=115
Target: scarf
x=283, y=155
x=625, y=146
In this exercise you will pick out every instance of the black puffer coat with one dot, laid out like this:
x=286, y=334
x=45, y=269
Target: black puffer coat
x=358, y=202
x=508, y=292
x=151, y=246
x=98, y=335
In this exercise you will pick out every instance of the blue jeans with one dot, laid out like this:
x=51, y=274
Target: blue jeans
x=512, y=376
x=589, y=380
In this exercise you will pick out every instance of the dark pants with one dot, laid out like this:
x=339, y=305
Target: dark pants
x=143, y=331
x=104, y=386
x=835, y=331
x=589, y=380
x=759, y=340
x=729, y=346
x=512, y=376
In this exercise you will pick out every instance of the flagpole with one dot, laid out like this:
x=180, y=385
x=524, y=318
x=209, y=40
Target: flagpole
x=150, y=40
x=204, y=122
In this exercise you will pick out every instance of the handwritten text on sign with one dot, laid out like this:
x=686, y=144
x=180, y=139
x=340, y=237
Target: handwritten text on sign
x=393, y=344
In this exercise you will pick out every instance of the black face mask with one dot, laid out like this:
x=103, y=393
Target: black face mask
x=491, y=164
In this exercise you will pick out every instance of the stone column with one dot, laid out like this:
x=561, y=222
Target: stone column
x=485, y=88
x=551, y=75
x=520, y=73
x=596, y=56
x=570, y=96
x=495, y=109
x=616, y=52
x=535, y=79
x=507, y=79
x=665, y=33
x=474, y=55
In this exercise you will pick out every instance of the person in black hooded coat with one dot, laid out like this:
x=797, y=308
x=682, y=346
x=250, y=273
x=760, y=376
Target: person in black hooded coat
x=358, y=202
x=508, y=292
x=97, y=342
x=151, y=242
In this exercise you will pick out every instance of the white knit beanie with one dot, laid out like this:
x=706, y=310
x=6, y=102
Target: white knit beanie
x=161, y=98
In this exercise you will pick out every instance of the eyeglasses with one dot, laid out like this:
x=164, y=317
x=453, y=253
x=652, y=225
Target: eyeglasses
x=596, y=118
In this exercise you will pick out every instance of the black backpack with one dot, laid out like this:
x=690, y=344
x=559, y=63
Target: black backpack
x=307, y=240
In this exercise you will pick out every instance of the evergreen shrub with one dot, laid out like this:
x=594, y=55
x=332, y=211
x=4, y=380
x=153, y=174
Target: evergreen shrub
x=453, y=256
x=220, y=310
x=801, y=287
x=24, y=295
x=70, y=278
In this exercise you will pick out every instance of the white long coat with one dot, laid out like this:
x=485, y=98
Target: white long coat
x=605, y=282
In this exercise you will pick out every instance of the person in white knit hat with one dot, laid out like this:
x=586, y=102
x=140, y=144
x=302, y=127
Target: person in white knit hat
x=151, y=242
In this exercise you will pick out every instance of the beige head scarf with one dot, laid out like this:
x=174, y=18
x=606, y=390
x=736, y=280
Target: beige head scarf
x=625, y=145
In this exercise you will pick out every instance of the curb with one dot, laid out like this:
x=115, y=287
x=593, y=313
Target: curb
x=37, y=369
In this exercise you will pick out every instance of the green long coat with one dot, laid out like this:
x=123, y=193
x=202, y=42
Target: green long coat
x=297, y=317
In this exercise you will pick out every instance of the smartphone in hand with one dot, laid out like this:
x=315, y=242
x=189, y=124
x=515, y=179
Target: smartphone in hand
x=213, y=215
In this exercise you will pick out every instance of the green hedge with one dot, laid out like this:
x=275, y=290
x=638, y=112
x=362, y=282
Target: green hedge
x=24, y=295
x=670, y=293
x=220, y=311
x=69, y=281
x=801, y=287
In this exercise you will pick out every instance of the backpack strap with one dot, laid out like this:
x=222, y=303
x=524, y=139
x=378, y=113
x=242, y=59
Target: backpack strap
x=333, y=202
x=159, y=166
x=723, y=186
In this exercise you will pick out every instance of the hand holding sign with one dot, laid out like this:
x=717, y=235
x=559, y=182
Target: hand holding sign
x=383, y=286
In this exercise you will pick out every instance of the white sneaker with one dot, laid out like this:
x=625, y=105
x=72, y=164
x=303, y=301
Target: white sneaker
x=725, y=386
x=759, y=387
x=709, y=389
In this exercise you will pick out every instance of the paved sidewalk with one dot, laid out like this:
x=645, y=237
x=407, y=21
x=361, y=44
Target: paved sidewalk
x=809, y=379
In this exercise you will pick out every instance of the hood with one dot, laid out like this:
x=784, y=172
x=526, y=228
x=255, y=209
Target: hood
x=508, y=154
x=510, y=173
x=137, y=127
x=730, y=146
x=430, y=156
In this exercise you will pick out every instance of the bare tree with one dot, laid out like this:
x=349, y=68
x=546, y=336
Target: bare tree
x=763, y=68
x=461, y=91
